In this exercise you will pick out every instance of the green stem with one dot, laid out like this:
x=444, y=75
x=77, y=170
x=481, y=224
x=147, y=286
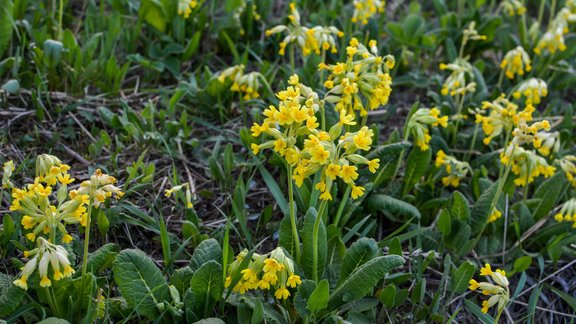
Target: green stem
x=292, y=68
x=60, y=16
x=397, y=169
x=474, y=137
x=497, y=319
x=293, y=215
x=322, y=71
x=541, y=13
x=500, y=79
x=315, y=233
x=458, y=116
x=552, y=10
x=342, y=205
x=86, y=244
x=323, y=115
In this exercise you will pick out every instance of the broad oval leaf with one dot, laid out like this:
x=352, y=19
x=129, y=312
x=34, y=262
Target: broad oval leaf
x=6, y=25
x=206, y=287
x=206, y=251
x=361, y=251
x=363, y=280
x=385, y=203
x=461, y=277
x=482, y=208
x=459, y=207
x=140, y=282
x=308, y=237
x=417, y=163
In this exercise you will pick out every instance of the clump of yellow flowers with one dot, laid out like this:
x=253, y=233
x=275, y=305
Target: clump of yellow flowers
x=247, y=85
x=185, y=7
x=362, y=82
x=503, y=116
x=34, y=202
x=365, y=9
x=568, y=165
x=273, y=271
x=553, y=39
x=533, y=90
x=332, y=153
x=418, y=126
x=457, y=170
x=567, y=212
x=498, y=291
x=311, y=40
x=516, y=62
x=526, y=164
x=513, y=7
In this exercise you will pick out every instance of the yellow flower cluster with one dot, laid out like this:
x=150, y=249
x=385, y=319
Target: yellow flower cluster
x=33, y=201
x=516, y=62
x=527, y=165
x=311, y=40
x=513, y=7
x=419, y=122
x=271, y=271
x=331, y=153
x=362, y=82
x=365, y=9
x=457, y=82
x=186, y=188
x=246, y=84
x=567, y=212
x=553, y=39
x=100, y=187
x=533, y=90
x=498, y=291
x=44, y=257
x=547, y=143
x=502, y=118
x=457, y=170
x=568, y=165
x=185, y=7
x=239, y=11
x=7, y=169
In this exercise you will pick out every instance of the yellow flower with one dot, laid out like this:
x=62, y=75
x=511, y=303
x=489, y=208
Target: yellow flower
x=363, y=138
x=373, y=165
x=320, y=155
x=282, y=293
x=348, y=173
x=332, y=171
x=473, y=284
x=326, y=196
x=357, y=192
x=293, y=280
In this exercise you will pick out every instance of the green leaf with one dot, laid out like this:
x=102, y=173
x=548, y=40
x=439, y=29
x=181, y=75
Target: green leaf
x=482, y=208
x=210, y=320
x=207, y=250
x=153, y=12
x=417, y=163
x=181, y=279
x=102, y=258
x=475, y=309
x=6, y=24
x=140, y=282
x=522, y=263
x=459, y=207
x=419, y=291
x=391, y=205
x=388, y=295
x=10, y=295
x=549, y=192
x=361, y=251
x=274, y=189
x=207, y=287
x=363, y=280
x=461, y=277
x=570, y=300
x=308, y=245
x=319, y=298
x=285, y=238
x=445, y=223
x=302, y=296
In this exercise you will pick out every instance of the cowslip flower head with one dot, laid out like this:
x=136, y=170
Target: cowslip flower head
x=363, y=82
x=502, y=117
x=7, y=169
x=461, y=78
x=568, y=165
x=247, y=84
x=99, y=188
x=516, y=62
x=273, y=271
x=366, y=9
x=183, y=187
x=553, y=39
x=419, y=122
x=513, y=8
x=533, y=90
x=567, y=213
x=185, y=7
x=50, y=260
x=498, y=291
x=456, y=170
